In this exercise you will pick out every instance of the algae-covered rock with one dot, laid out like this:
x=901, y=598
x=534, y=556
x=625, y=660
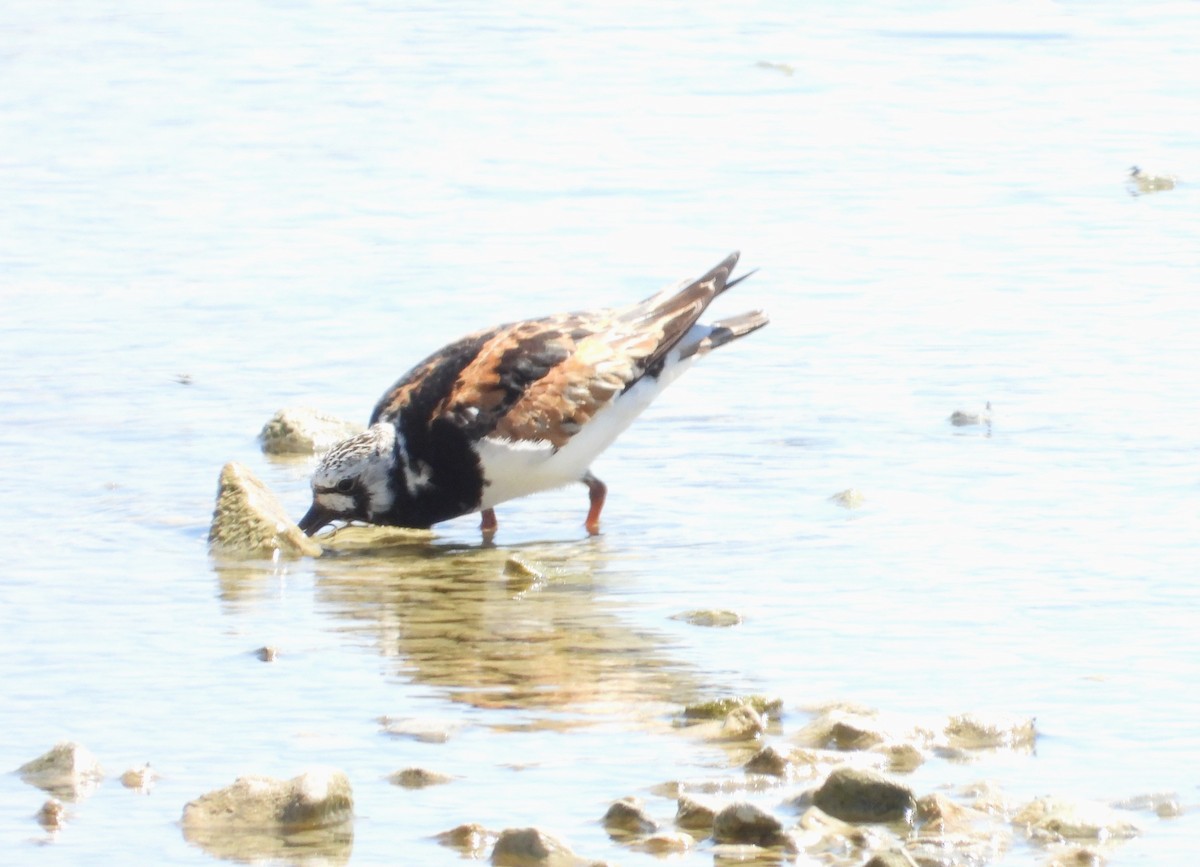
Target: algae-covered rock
x=304, y=431
x=857, y=795
x=249, y=522
x=531, y=847
x=319, y=798
x=720, y=708
x=743, y=822
x=628, y=818
x=418, y=778
x=309, y=817
x=974, y=732
x=67, y=770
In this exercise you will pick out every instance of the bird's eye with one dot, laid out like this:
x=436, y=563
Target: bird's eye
x=345, y=486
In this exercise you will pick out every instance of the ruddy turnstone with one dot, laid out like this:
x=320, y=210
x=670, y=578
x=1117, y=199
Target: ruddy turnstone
x=517, y=409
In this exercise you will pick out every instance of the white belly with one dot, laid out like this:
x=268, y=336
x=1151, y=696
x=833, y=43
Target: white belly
x=516, y=469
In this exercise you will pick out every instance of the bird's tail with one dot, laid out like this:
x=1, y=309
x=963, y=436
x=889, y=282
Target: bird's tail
x=727, y=330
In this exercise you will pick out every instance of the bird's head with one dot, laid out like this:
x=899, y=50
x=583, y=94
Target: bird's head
x=353, y=480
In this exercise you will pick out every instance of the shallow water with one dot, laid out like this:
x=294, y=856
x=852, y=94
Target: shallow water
x=209, y=214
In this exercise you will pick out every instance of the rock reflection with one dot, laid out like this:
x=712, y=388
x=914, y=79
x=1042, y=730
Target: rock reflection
x=504, y=629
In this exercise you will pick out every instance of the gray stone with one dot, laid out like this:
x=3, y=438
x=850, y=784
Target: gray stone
x=67, y=770
x=855, y=795
x=250, y=523
x=304, y=431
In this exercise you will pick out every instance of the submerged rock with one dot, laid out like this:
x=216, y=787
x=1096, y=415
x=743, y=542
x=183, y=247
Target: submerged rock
x=318, y=798
x=418, y=778
x=53, y=815
x=532, y=847
x=972, y=732
x=68, y=770
x=249, y=522
x=891, y=858
x=694, y=815
x=263, y=819
x=712, y=617
x=666, y=843
x=851, y=498
x=743, y=723
x=142, y=779
x=304, y=431
x=856, y=795
x=743, y=822
x=769, y=761
x=720, y=708
x=472, y=840
x=1056, y=820
x=628, y=818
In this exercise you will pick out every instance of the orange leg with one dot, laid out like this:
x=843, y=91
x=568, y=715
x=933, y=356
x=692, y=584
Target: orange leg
x=596, y=493
x=487, y=523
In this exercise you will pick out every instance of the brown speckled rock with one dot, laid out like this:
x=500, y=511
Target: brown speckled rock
x=249, y=522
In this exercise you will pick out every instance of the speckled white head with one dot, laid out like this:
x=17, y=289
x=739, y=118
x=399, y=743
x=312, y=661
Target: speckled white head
x=352, y=481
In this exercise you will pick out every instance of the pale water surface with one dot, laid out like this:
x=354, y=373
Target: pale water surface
x=290, y=203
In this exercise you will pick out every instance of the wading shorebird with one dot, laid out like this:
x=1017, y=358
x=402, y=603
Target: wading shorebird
x=516, y=409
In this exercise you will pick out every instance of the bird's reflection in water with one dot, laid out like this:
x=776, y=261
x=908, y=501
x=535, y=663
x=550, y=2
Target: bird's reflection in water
x=520, y=628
